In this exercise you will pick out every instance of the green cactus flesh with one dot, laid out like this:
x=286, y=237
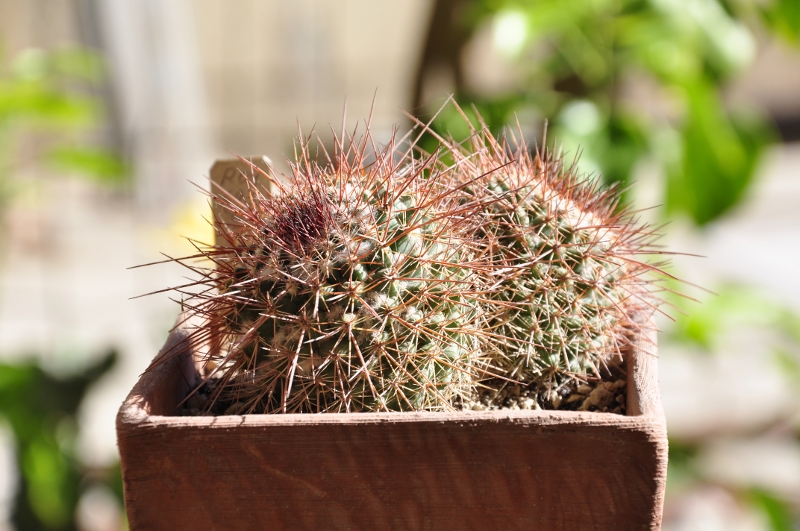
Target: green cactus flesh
x=408, y=283
x=564, y=290
x=352, y=296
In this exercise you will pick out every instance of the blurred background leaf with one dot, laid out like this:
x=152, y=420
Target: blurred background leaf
x=40, y=410
x=95, y=163
x=719, y=158
x=50, y=96
x=783, y=16
x=778, y=512
x=575, y=62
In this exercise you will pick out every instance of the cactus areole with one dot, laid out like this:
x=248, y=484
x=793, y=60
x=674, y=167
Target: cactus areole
x=383, y=279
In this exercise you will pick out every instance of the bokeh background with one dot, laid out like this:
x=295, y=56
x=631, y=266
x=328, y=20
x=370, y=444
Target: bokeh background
x=112, y=111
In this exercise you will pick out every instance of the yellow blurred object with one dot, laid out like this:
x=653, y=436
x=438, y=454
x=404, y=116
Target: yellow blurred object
x=191, y=226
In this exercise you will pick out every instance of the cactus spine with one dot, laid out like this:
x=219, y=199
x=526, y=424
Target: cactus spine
x=565, y=257
x=406, y=282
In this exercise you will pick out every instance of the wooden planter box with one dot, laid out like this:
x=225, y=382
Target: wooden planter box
x=493, y=470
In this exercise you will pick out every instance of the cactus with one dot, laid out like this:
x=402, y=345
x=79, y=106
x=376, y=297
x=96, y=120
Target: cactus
x=348, y=292
x=570, y=281
x=406, y=282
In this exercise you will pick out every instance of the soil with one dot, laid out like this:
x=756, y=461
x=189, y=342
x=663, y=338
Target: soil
x=199, y=402
x=608, y=394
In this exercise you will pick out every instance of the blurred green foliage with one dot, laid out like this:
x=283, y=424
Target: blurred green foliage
x=732, y=307
x=783, y=17
x=777, y=511
x=40, y=410
x=50, y=99
x=576, y=63
x=51, y=96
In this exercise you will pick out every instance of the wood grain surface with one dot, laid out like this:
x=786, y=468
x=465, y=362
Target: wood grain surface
x=491, y=470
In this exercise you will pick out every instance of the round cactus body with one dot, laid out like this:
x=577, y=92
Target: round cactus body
x=349, y=292
x=568, y=283
x=396, y=282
